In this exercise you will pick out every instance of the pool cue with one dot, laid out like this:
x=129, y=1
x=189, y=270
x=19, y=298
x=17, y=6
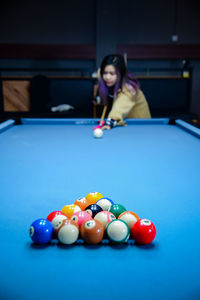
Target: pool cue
x=103, y=115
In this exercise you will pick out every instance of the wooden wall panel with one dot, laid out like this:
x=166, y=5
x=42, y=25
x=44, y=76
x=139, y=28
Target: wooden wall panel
x=16, y=95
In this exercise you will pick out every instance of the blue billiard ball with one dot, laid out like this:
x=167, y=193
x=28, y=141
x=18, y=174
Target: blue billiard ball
x=41, y=231
x=105, y=203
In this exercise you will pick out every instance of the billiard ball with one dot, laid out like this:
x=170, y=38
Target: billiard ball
x=117, y=209
x=68, y=233
x=69, y=210
x=92, y=231
x=57, y=221
x=80, y=217
x=54, y=214
x=98, y=133
x=118, y=231
x=93, y=209
x=82, y=202
x=41, y=231
x=105, y=217
x=105, y=203
x=129, y=217
x=93, y=197
x=143, y=231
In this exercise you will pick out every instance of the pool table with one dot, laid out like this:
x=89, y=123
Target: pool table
x=152, y=167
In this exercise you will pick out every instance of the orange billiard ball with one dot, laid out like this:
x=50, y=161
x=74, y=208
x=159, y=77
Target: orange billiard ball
x=82, y=203
x=129, y=217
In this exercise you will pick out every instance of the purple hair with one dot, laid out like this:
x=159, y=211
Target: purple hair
x=123, y=77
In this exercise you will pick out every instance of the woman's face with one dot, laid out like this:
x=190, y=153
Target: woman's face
x=110, y=75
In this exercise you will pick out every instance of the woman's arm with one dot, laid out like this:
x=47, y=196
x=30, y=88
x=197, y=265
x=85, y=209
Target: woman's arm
x=122, y=106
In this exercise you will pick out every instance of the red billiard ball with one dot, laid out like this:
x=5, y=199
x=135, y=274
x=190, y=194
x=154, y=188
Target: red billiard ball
x=92, y=231
x=143, y=231
x=54, y=214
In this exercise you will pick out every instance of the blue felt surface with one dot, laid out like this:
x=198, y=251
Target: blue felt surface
x=151, y=169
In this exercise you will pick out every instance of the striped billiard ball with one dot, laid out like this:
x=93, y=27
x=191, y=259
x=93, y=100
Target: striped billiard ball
x=105, y=217
x=68, y=232
x=118, y=231
x=80, y=217
x=129, y=217
x=105, y=203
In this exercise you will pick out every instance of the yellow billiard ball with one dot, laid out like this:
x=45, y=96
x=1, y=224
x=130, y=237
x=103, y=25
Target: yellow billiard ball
x=93, y=197
x=69, y=210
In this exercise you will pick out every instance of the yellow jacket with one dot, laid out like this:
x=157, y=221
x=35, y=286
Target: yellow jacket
x=129, y=104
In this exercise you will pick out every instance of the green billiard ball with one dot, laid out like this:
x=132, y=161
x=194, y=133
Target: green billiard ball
x=117, y=209
x=118, y=231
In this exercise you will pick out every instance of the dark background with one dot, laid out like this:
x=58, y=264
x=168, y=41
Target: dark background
x=56, y=38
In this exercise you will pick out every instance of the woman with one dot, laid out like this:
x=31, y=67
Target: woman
x=120, y=92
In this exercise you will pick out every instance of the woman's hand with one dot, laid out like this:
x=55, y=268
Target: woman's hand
x=106, y=127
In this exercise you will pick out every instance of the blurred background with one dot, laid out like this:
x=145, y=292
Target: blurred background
x=50, y=52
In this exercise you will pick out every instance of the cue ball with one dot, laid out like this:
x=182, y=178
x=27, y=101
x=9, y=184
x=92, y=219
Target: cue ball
x=98, y=133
